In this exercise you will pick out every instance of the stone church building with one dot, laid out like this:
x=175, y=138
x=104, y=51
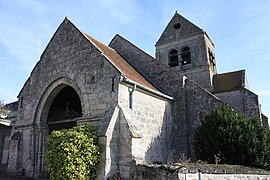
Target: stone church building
x=146, y=109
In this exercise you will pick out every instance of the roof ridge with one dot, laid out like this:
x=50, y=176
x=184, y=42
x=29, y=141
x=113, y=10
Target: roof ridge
x=98, y=41
x=160, y=63
x=124, y=67
x=241, y=70
x=118, y=35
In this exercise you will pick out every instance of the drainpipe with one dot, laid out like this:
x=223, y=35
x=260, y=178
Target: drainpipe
x=200, y=174
x=131, y=98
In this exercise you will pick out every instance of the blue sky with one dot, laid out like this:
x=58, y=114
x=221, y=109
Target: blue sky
x=239, y=29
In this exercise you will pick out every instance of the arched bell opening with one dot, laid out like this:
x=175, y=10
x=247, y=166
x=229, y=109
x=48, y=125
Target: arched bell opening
x=65, y=108
x=173, y=58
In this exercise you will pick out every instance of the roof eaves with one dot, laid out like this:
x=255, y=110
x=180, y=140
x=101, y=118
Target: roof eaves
x=129, y=81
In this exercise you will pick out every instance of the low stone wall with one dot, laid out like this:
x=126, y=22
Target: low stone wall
x=194, y=171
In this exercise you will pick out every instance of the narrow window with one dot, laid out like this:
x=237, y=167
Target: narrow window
x=173, y=58
x=21, y=102
x=113, y=84
x=185, y=56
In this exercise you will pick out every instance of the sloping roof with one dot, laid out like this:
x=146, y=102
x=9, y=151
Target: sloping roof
x=121, y=63
x=185, y=29
x=228, y=81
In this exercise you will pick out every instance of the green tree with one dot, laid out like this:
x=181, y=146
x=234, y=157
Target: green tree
x=233, y=138
x=3, y=109
x=73, y=153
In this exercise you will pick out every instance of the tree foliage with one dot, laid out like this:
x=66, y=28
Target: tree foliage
x=1, y=106
x=233, y=138
x=72, y=153
x=3, y=109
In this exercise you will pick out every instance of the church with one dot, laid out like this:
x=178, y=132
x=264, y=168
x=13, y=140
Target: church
x=146, y=109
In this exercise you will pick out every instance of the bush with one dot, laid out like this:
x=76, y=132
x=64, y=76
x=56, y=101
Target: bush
x=233, y=138
x=72, y=153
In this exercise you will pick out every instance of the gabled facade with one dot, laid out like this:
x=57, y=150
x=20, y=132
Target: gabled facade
x=145, y=109
x=80, y=80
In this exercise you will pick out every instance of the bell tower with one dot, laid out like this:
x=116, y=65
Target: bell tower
x=187, y=49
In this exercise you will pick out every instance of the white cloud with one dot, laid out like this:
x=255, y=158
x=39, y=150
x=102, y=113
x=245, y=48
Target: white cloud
x=22, y=44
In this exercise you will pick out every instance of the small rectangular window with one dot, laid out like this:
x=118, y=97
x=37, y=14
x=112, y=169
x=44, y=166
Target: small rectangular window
x=21, y=102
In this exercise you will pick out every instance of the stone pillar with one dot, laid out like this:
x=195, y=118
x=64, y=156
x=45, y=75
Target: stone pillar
x=40, y=139
x=13, y=155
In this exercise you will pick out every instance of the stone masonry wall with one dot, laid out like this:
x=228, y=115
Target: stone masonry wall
x=4, y=133
x=234, y=98
x=198, y=53
x=166, y=80
x=151, y=117
x=70, y=55
x=251, y=104
x=109, y=140
x=196, y=172
x=133, y=135
x=69, y=59
x=243, y=101
x=199, y=103
x=265, y=120
x=198, y=69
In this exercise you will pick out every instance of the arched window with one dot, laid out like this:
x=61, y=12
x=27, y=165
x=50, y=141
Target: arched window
x=185, y=56
x=173, y=58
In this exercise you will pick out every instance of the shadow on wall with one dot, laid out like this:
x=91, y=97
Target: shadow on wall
x=167, y=146
x=120, y=149
x=160, y=149
x=198, y=103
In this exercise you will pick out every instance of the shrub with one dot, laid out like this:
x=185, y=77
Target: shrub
x=233, y=138
x=72, y=153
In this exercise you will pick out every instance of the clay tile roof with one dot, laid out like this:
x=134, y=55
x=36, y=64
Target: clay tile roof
x=228, y=81
x=121, y=63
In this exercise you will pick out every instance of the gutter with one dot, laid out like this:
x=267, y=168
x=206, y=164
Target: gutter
x=129, y=81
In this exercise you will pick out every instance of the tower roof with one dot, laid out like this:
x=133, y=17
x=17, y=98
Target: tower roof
x=178, y=28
